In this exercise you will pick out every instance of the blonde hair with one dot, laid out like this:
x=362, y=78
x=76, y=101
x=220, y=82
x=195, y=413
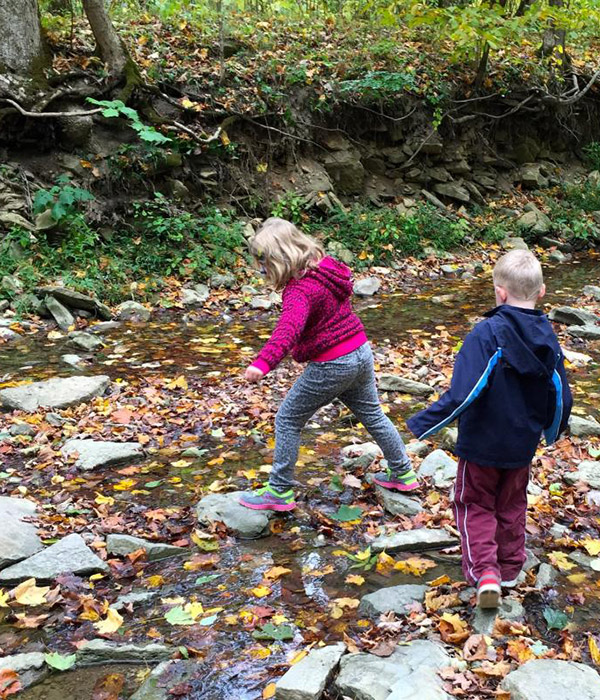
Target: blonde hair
x=286, y=252
x=520, y=273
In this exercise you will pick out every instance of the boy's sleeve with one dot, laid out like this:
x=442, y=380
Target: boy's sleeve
x=561, y=400
x=294, y=315
x=472, y=371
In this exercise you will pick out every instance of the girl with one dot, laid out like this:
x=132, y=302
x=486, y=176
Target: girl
x=318, y=326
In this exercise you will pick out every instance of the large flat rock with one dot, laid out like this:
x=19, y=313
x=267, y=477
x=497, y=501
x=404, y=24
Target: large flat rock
x=69, y=555
x=551, y=679
x=166, y=676
x=573, y=317
x=393, y=382
x=308, y=679
x=96, y=453
x=76, y=300
x=587, y=471
x=30, y=666
x=584, y=427
x=399, y=599
x=226, y=508
x=53, y=393
x=414, y=540
x=125, y=544
x=99, y=651
x=441, y=467
x=18, y=539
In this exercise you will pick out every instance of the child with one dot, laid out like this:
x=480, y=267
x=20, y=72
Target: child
x=509, y=385
x=318, y=326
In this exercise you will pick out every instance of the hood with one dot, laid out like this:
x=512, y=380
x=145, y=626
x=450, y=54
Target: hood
x=334, y=275
x=527, y=339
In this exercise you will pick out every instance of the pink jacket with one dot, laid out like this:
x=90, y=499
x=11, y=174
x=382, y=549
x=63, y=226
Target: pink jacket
x=317, y=321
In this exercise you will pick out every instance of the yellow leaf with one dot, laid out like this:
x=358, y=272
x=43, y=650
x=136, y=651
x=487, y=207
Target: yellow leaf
x=104, y=500
x=259, y=652
x=179, y=383
x=262, y=168
x=577, y=578
x=355, y=579
x=276, y=572
x=350, y=603
x=3, y=599
x=440, y=580
x=594, y=650
x=261, y=591
x=155, y=581
x=27, y=593
x=384, y=563
x=225, y=140
x=414, y=566
x=298, y=656
x=363, y=255
x=559, y=559
x=592, y=546
x=336, y=612
x=125, y=485
x=269, y=691
x=111, y=624
x=181, y=463
x=194, y=609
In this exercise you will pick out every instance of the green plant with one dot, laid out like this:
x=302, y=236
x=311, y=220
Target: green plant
x=290, y=206
x=592, y=154
x=379, y=85
x=117, y=108
x=63, y=200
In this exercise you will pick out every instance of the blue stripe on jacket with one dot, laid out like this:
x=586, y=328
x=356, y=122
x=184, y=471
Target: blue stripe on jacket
x=552, y=432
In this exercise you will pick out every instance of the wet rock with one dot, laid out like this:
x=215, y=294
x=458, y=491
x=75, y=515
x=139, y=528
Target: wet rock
x=531, y=562
x=399, y=599
x=392, y=382
x=414, y=541
x=530, y=176
x=167, y=675
x=557, y=256
x=557, y=531
x=134, y=598
x=360, y=455
x=453, y=190
x=308, y=679
x=76, y=300
x=132, y=311
x=99, y=651
x=190, y=297
x=18, y=539
x=63, y=317
x=591, y=290
x=241, y=521
x=125, y=544
x=4, y=304
x=441, y=467
x=593, y=498
x=546, y=576
x=418, y=448
x=11, y=285
x=577, y=359
x=104, y=327
x=409, y=673
x=448, y=438
x=96, y=453
x=261, y=303
x=581, y=559
x=85, y=341
x=573, y=317
x=484, y=619
x=514, y=243
x=53, y=393
x=31, y=667
x=72, y=360
x=226, y=280
x=367, y=287
x=69, y=555
x=340, y=252
x=585, y=332
x=8, y=336
x=22, y=429
x=584, y=427
x=552, y=679
x=588, y=472
x=396, y=503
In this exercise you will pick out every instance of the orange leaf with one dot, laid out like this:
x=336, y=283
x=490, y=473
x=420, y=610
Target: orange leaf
x=269, y=691
x=9, y=683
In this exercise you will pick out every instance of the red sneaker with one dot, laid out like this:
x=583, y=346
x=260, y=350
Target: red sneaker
x=488, y=590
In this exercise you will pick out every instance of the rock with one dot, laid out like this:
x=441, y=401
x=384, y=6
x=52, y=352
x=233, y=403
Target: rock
x=72, y=360
x=170, y=674
x=203, y=291
x=249, y=291
x=367, y=287
x=392, y=382
x=11, y=218
x=85, y=341
x=531, y=177
x=76, y=300
x=532, y=561
x=418, y=448
x=11, y=285
x=125, y=544
x=453, y=190
x=593, y=498
x=69, y=555
x=361, y=455
x=557, y=531
x=60, y=313
x=4, y=304
x=558, y=256
x=261, y=303
x=226, y=508
x=577, y=359
x=410, y=673
x=8, y=336
x=399, y=599
x=134, y=598
x=414, y=541
x=96, y=453
x=340, y=252
x=54, y=419
x=190, y=297
x=18, y=539
x=592, y=290
x=441, y=467
x=132, y=311
x=485, y=618
x=227, y=280
x=552, y=679
x=581, y=559
x=588, y=472
x=546, y=576
x=397, y=503
x=573, y=317
x=346, y=171
x=30, y=666
x=308, y=679
x=22, y=429
x=53, y=393
x=448, y=438
x=99, y=651
x=585, y=332
x=584, y=427
x=514, y=243
x=44, y=221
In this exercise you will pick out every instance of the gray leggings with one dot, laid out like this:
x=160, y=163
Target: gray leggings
x=351, y=379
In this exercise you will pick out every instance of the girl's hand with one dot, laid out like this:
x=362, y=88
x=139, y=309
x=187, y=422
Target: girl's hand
x=253, y=374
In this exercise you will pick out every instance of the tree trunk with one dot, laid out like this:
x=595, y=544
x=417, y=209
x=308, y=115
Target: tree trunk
x=112, y=50
x=554, y=41
x=22, y=50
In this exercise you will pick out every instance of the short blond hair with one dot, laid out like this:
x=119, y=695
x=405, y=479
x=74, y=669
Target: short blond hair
x=285, y=251
x=520, y=273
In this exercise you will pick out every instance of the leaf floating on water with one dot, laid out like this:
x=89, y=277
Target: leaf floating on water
x=60, y=662
x=179, y=616
x=347, y=514
x=269, y=691
x=9, y=683
x=276, y=572
x=261, y=591
x=560, y=560
x=277, y=633
x=555, y=619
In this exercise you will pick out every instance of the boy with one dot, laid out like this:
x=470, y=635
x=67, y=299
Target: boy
x=509, y=386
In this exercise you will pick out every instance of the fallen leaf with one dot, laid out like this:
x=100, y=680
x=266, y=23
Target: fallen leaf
x=276, y=572
x=594, y=650
x=355, y=580
x=27, y=593
x=111, y=623
x=452, y=628
x=559, y=559
x=261, y=591
x=269, y=691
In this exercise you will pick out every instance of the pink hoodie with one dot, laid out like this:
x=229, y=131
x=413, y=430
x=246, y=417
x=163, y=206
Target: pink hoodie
x=317, y=322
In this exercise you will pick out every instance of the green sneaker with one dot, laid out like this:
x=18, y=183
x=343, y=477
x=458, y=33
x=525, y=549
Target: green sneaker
x=268, y=499
x=401, y=482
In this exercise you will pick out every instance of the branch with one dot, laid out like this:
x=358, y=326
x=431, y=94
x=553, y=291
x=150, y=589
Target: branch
x=25, y=113
x=177, y=126
x=583, y=92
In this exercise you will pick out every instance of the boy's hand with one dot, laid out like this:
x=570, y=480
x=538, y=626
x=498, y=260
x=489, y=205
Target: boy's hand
x=253, y=374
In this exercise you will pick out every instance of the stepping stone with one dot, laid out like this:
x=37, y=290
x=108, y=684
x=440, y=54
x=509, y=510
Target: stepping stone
x=62, y=315
x=392, y=382
x=241, y=521
x=585, y=332
x=367, y=287
x=588, y=472
x=360, y=455
x=96, y=453
x=546, y=576
x=72, y=360
x=308, y=679
x=409, y=673
x=552, y=679
x=577, y=359
x=125, y=544
x=395, y=502
x=85, y=341
x=399, y=599
x=18, y=540
x=573, y=317
x=70, y=555
x=99, y=651
x=592, y=290
x=414, y=541
x=53, y=393
x=30, y=666
x=441, y=467
x=485, y=619
x=76, y=300
x=584, y=427
x=166, y=676
x=132, y=311
x=418, y=448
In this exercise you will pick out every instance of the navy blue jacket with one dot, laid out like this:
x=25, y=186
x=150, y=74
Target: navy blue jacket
x=509, y=386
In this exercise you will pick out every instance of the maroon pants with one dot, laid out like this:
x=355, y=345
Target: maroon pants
x=490, y=506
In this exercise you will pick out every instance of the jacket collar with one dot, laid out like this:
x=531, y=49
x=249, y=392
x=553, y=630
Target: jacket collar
x=507, y=309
